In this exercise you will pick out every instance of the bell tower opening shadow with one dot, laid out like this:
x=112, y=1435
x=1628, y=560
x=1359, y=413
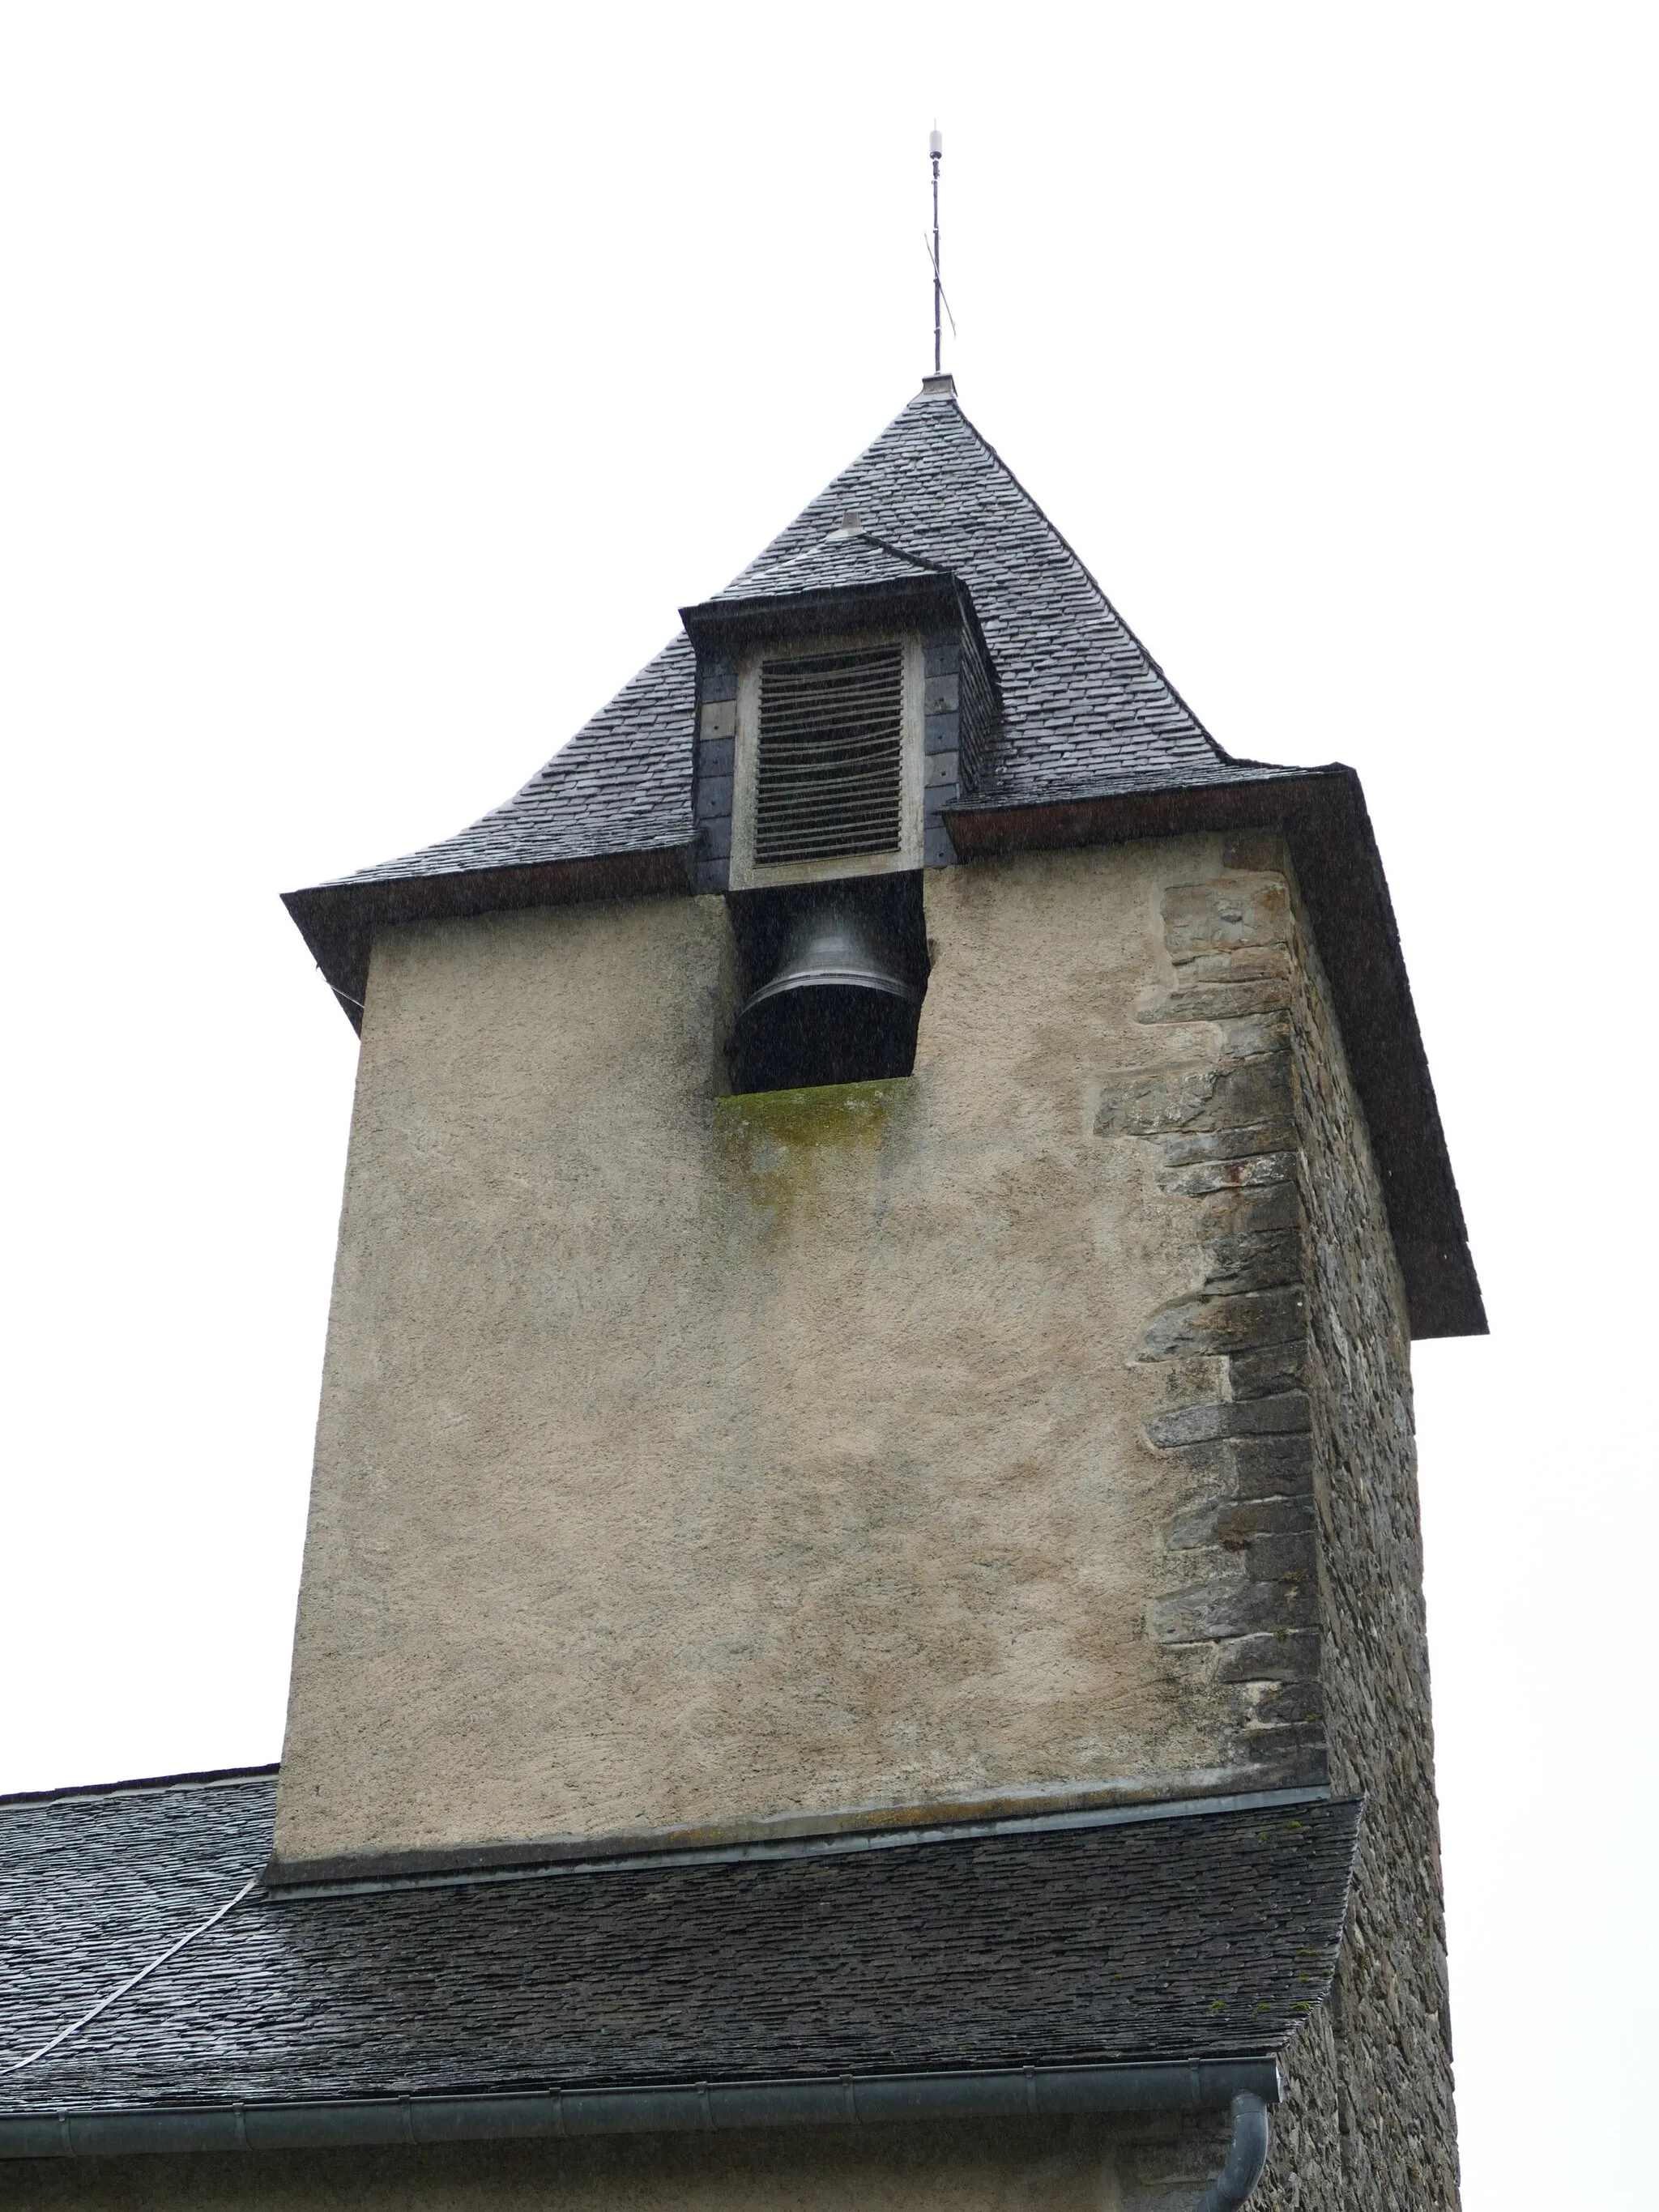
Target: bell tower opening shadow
x=832, y=978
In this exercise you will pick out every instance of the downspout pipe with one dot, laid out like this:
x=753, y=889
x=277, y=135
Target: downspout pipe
x=1246, y=2154
x=1247, y=2085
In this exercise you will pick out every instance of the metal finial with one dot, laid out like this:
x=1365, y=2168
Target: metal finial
x=935, y=148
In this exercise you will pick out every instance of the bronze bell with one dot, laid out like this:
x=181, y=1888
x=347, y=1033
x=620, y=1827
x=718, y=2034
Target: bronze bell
x=838, y=1005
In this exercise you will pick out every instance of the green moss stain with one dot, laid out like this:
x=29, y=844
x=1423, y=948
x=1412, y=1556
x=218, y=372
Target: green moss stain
x=781, y=1144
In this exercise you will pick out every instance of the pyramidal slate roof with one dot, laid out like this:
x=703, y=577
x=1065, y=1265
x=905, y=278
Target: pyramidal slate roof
x=1085, y=708
x=1168, y=1938
x=1094, y=745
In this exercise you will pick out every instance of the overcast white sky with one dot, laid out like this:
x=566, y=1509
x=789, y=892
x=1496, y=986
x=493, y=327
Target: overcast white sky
x=376, y=382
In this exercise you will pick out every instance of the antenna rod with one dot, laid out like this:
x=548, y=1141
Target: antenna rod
x=935, y=148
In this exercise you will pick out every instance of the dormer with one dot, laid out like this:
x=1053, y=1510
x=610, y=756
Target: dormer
x=845, y=698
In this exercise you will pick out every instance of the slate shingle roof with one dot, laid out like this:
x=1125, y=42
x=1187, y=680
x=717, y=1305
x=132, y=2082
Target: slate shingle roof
x=846, y=559
x=93, y=1887
x=1086, y=708
x=1206, y=1934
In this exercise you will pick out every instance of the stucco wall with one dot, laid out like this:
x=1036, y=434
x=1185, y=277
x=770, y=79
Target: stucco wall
x=685, y=1461
x=1078, y=2165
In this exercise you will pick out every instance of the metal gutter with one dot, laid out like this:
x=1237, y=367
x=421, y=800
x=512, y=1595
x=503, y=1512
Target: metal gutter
x=848, y=2100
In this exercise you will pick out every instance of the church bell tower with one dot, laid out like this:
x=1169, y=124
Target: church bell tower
x=861, y=1638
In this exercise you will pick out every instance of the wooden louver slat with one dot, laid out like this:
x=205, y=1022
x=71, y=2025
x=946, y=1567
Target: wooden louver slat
x=830, y=763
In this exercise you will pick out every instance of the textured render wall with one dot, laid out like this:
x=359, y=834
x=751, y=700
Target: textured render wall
x=685, y=1462
x=1080, y=2166
x=1303, y=2171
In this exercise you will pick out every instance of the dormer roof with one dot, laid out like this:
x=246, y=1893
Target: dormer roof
x=848, y=579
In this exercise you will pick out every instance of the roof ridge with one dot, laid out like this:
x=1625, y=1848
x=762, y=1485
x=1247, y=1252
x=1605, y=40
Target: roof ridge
x=207, y=1778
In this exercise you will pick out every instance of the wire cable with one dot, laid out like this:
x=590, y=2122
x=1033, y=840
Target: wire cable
x=131, y=1983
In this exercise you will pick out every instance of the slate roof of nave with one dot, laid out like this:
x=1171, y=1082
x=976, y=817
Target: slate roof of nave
x=1179, y=1938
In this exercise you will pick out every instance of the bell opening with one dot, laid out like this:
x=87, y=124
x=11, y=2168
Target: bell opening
x=832, y=978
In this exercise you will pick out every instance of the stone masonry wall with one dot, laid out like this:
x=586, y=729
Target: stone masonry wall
x=1390, y=2006
x=1304, y=2161
x=1296, y=1567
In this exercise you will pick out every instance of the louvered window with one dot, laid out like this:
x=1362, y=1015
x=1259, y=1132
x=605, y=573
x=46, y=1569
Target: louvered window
x=830, y=762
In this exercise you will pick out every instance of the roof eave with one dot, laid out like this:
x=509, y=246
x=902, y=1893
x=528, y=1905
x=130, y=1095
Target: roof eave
x=1339, y=870
x=338, y=920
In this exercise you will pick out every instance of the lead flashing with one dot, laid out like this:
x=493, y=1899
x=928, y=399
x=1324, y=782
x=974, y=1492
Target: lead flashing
x=818, y=1836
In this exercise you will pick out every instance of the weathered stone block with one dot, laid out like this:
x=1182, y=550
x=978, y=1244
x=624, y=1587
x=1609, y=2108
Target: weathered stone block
x=1226, y=1323
x=1259, y=1260
x=1295, y=1703
x=1233, y=1522
x=1269, y=1373
x=1223, y=1606
x=1152, y=1102
x=1282, y=1654
x=1256, y=1036
x=1271, y=1466
x=1220, y=1002
x=1200, y=918
x=1256, y=1417
x=1187, y=1147
x=1247, y=1468
x=1283, y=1557
x=1248, y=1171
x=1251, y=1212
x=1243, y=963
